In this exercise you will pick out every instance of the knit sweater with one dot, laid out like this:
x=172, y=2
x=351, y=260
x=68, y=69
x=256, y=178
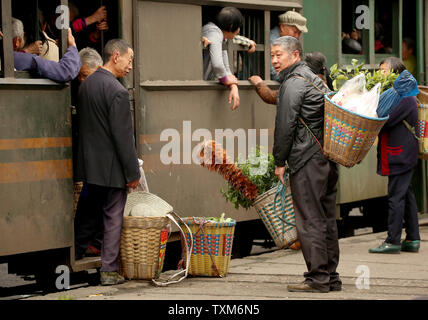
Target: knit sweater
x=397, y=150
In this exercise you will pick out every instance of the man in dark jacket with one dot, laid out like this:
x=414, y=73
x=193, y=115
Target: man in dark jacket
x=298, y=139
x=107, y=159
x=397, y=158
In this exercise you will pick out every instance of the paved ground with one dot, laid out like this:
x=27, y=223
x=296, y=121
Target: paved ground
x=265, y=276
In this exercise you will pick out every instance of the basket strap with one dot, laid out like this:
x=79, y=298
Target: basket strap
x=281, y=191
x=201, y=229
x=411, y=129
x=176, y=219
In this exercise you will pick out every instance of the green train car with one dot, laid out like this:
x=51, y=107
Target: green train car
x=167, y=92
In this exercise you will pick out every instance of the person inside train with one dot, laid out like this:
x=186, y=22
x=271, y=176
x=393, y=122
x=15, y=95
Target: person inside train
x=81, y=26
x=292, y=24
x=316, y=61
x=216, y=64
x=397, y=154
x=408, y=53
x=63, y=71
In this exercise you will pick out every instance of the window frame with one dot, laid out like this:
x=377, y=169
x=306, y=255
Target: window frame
x=369, y=56
x=7, y=58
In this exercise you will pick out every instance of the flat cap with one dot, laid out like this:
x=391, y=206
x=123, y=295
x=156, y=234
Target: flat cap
x=294, y=18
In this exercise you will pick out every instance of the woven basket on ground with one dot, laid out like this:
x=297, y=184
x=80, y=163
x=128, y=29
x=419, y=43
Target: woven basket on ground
x=143, y=242
x=212, y=246
x=348, y=136
x=275, y=208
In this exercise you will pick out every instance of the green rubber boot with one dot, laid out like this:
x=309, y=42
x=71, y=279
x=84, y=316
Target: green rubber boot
x=386, y=248
x=410, y=245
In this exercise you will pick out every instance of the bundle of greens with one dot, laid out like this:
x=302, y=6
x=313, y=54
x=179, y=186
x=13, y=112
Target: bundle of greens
x=340, y=76
x=260, y=169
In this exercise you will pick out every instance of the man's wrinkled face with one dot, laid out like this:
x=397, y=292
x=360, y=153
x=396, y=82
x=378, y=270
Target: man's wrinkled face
x=281, y=59
x=287, y=30
x=123, y=63
x=85, y=71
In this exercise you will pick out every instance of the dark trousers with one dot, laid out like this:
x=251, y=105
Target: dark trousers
x=313, y=190
x=106, y=208
x=402, y=205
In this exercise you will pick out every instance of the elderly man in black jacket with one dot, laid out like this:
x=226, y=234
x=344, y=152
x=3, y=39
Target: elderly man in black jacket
x=298, y=139
x=107, y=159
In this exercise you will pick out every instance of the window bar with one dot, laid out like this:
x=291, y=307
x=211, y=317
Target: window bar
x=8, y=59
x=64, y=32
x=267, y=45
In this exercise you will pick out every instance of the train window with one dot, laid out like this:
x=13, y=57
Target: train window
x=355, y=19
x=242, y=63
x=386, y=31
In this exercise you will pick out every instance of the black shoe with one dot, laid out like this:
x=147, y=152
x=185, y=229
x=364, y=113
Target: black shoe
x=335, y=288
x=303, y=287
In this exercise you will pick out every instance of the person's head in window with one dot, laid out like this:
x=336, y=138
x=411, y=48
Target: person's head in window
x=392, y=64
x=18, y=34
x=91, y=61
x=407, y=48
x=229, y=20
x=292, y=24
x=285, y=52
x=118, y=56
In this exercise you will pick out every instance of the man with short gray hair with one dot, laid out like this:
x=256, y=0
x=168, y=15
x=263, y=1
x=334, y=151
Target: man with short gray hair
x=298, y=141
x=107, y=159
x=91, y=61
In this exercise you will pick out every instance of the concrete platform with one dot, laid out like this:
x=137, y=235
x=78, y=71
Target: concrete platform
x=265, y=276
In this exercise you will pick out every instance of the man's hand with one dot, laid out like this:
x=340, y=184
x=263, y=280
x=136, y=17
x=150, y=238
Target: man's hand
x=255, y=80
x=97, y=16
x=252, y=47
x=71, y=40
x=234, y=95
x=102, y=26
x=34, y=48
x=133, y=184
x=279, y=172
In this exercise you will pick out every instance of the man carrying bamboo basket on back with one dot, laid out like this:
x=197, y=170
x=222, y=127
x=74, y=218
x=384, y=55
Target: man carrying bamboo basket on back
x=298, y=139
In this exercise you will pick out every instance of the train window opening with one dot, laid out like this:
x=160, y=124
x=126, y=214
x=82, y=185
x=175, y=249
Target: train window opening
x=242, y=63
x=354, y=20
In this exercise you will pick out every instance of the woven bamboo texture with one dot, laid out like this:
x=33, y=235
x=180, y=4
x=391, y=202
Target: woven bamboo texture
x=423, y=129
x=280, y=222
x=142, y=247
x=212, y=246
x=348, y=136
x=78, y=186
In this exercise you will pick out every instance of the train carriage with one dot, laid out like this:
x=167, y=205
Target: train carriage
x=170, y=100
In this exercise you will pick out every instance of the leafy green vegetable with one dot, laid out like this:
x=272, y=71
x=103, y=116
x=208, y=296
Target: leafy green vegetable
x=260, y=169
x=339, y=77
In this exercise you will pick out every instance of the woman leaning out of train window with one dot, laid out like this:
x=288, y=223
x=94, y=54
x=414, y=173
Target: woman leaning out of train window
x=397, y=154
x=216, y=63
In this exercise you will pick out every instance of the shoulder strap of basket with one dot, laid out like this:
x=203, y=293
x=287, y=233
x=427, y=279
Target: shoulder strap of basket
x=300, y=118
x=411, y=129
x=183, y=273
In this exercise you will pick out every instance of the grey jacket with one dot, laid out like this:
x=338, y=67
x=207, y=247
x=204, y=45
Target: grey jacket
x=298, y=98
x=216, y=61
x=106, y=155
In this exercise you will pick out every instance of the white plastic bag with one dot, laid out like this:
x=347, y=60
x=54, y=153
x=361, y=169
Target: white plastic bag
x=369, y=102
x=142, y=185
x=350, y=89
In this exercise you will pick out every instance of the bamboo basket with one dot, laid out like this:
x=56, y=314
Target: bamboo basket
x=348, y=136
x=142, y=247
x=277, y=213
x=144, y=238
x=212, y=246
x=423, y=121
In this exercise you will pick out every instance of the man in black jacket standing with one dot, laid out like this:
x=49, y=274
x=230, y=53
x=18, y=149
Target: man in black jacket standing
x=107, y=159
x=298, y=140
